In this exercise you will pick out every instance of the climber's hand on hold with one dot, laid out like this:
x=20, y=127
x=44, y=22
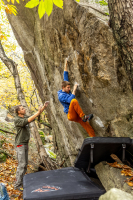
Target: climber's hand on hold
x=75, y=87
x=46, y=104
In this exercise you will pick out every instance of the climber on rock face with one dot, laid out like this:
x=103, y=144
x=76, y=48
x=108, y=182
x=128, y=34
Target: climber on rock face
x=71, y=105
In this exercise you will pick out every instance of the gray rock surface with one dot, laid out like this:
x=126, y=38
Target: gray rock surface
x=3, y=113
x=5, y=124
x=116, y=194
x=111, y=177
x=49, y=138
x=94, y=63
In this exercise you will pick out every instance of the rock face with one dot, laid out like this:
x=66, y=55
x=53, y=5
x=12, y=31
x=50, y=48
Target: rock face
x=94, y=63
x=3, y=113
x=6, y=123
x=111, y=177
x=116, y=194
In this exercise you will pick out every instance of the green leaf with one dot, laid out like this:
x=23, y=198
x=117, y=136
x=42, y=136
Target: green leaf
x=48, y=6
x=106, y=13
x=59, y=3
x=41, y=9
x=32, y=4
x=103, y=3
x=50, y=153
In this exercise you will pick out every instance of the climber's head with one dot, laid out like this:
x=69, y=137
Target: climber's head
x=20, y=110
x=66, y=86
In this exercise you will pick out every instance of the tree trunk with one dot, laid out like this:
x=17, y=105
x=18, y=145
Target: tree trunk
x=121, y=21
x=12, y=66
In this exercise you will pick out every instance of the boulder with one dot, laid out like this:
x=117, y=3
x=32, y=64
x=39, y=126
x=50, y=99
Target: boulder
x=94, y=62
x=111, y=177
x=116, y=194
x=7, y=125
x=3, y=113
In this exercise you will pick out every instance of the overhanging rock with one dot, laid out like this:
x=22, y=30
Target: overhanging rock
x=94, y=63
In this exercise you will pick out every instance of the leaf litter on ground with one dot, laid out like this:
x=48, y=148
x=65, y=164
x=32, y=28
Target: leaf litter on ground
x=126, y=170
x=8, y=170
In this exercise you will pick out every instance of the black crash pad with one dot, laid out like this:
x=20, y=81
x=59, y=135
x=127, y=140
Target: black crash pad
x=81, y=181
x=102, y=148
x=62, y=184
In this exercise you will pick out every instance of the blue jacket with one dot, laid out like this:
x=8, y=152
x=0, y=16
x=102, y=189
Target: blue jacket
x=64, y=97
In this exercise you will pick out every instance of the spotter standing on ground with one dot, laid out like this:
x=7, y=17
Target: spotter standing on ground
x=22, y=139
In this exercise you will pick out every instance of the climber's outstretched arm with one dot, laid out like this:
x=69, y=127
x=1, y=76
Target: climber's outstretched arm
x=65, y=66
x=65, y=71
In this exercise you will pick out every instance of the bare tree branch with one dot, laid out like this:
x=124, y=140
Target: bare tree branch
x=12, y=66
x=7, y=131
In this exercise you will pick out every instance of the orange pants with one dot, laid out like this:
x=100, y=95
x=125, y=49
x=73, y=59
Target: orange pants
x=75, y=113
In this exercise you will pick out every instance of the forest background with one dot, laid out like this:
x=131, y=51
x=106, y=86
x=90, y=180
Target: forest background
x=9, y=98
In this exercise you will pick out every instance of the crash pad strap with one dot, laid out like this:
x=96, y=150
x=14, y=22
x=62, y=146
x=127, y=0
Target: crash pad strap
x=123, y=152
x=91, y=157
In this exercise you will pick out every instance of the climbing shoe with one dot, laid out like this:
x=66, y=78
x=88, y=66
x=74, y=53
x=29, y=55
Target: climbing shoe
x=87, y=117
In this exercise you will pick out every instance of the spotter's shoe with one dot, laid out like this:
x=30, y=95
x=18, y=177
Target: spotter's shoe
x=20, y=188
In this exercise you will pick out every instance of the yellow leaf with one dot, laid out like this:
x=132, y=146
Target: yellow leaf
x=58, y=3
x=41, y=9
x=12, y=1
x=130, y=184
x=8, y=9
x=32, y=3
x=11, y=9
x=48, y=6
x=5, y=37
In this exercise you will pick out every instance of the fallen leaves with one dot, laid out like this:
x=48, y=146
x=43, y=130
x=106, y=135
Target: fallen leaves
x=8, y=171
x=118, y=165
x=8, y=176
x=126, y=171
x=130, y=182
x=8, y=168
x=115, y=164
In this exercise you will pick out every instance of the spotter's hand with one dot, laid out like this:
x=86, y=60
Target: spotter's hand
x=39, y=109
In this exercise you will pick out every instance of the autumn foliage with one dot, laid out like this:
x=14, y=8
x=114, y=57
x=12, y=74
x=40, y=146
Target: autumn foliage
x=126, y=170
x=44, y=6
x=8, y=170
